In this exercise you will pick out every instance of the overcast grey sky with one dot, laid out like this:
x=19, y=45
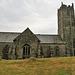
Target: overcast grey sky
x=39, y=15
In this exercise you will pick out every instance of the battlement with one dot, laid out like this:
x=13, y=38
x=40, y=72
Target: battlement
x=66, y=6
x=66, y=11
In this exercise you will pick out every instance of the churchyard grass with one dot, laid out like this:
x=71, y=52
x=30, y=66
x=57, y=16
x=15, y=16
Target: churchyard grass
x=39, y=66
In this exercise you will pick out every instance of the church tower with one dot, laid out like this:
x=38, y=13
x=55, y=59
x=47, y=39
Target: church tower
x=66, y=27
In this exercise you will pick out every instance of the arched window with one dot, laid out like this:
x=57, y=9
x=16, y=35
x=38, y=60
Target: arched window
x=41, y=51
x=5, y=52
x=56, y=51
x=26, y=49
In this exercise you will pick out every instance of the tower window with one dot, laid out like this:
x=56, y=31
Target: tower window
x=74, y=52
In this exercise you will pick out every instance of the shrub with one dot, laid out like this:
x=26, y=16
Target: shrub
x=32, y=58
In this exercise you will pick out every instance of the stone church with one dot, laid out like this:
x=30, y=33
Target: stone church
x=27, y=44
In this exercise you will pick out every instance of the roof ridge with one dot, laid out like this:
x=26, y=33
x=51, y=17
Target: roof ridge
x=11, y=32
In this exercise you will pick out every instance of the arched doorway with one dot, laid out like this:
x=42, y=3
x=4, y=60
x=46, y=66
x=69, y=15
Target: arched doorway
x=26, y=51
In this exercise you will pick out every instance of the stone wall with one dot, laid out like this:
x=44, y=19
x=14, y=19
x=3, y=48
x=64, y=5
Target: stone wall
x=2, y=45
x=49, y=50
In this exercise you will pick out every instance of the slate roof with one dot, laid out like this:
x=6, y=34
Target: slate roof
x=10, y=36
x=44, y=38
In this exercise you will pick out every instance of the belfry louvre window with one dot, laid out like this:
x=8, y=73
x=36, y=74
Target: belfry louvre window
x=26, y=50
x=73, y=43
